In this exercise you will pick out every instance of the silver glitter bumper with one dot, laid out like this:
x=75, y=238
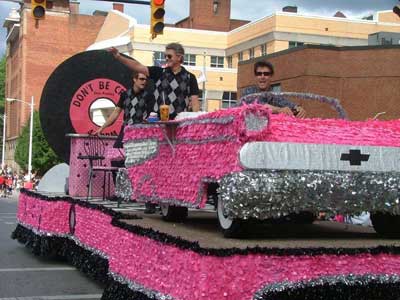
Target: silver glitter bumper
x=274, y=193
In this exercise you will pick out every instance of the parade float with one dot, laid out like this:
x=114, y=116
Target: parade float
x=251, y=165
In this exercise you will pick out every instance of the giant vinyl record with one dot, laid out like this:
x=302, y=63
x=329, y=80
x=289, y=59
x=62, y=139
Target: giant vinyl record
x=85, y=86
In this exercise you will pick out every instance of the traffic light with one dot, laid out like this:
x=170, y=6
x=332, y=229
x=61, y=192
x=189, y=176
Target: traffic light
x=157, y=17
x=396, y=10
x=38, y=9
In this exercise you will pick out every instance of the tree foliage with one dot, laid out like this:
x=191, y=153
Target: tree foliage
x=43, y=157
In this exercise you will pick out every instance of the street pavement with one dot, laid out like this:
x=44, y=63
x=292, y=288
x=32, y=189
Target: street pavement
x=24, y=276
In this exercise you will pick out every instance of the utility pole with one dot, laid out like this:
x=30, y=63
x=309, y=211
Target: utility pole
x=129, y=1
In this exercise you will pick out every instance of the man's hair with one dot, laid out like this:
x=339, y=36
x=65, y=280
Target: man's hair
x=178, y=48
x=135, y=74
x=263, y=64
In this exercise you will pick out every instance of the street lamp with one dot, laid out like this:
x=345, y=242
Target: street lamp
x=4, y=140
x=30, y=133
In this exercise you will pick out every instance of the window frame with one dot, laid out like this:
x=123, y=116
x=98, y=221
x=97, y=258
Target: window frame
x=217, y=63
x=189, y=59
x=161, y=61
x=251, y=53
x=229, y=99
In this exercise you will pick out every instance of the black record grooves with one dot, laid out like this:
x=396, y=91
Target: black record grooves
x=61, y=86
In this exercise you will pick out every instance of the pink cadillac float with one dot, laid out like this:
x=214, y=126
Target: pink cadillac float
x=261, y=166
x=255, y=165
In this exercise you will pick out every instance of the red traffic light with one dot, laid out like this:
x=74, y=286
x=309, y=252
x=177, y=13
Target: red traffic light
x=157, y=17
x=158, y=2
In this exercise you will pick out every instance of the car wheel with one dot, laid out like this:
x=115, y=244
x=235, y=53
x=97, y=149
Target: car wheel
x=386, y=224
x=231, y=228
x=172, y=213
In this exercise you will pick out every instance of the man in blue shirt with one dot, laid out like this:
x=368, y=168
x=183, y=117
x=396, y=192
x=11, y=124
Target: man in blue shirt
x=263, y=71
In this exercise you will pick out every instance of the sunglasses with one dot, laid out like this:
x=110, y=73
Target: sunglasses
x=169, y=56
x=263, y=73
x=142, y=78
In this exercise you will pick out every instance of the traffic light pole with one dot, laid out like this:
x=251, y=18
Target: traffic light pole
x=129, y=1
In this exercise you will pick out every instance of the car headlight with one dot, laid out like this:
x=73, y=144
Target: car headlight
x=255, y=122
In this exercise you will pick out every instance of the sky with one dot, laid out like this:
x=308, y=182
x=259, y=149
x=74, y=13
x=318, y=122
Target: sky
x=179, y=9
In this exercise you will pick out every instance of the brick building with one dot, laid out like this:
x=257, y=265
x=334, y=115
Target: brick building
x=212, y=15
x=365, y=78
x=34, y=50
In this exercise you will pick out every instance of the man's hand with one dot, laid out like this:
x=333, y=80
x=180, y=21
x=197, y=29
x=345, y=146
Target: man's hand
x=114, y=51
x=284, y=110
x=301, y=113
x=98, y=131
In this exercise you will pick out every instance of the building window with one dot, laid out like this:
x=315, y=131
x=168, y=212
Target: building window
x=189, y=60
x=295, y=44
x=158, y=58
x=251, y=53
x=229, y=99
x=229, y=60
x=240, y=56
x=217, y=61
x=263, y=50
x=385, y=41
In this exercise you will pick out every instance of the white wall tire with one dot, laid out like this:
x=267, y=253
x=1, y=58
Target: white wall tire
x=224, y=221
x=231, y=228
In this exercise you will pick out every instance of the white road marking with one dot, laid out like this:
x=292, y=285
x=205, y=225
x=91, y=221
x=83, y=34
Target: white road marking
x=37, y=269
x=9, y=223
x=57, y=297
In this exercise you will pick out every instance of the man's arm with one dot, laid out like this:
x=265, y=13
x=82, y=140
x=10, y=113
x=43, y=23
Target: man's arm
x=280, y=110
x=194, y=90
x=131, y=63
x=282, y=102
x=194, y=100
x=111, y=119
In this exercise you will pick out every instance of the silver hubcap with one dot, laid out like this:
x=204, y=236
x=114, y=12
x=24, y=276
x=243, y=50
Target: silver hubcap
x=225, y=222
x=164, y=209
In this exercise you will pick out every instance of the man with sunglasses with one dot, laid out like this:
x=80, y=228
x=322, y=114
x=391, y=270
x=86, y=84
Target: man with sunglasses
x=174, y=85
x=263, y=71
x=137, y=104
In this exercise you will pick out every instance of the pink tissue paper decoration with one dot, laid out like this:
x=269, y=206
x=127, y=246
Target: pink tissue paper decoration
x=185, y=274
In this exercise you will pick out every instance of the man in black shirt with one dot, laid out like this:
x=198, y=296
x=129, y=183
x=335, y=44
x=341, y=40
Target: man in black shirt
x=137, y=104
x=174, y=85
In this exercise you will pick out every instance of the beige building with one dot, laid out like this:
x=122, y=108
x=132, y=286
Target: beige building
x=218, y=53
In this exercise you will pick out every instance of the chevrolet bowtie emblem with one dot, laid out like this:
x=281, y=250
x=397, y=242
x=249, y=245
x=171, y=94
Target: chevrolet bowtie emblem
x=354, y=157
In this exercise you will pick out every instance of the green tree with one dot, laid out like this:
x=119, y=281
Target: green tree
x=43, y=157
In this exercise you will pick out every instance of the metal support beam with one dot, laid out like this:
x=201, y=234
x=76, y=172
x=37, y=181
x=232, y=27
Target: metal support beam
x=129, y=1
